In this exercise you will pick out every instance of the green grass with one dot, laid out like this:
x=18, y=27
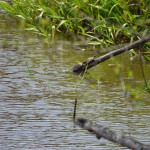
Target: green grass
x=104, y=22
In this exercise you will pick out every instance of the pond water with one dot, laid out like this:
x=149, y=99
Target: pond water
x=38, y=88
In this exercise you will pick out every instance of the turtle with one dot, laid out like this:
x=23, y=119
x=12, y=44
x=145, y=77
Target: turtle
x=77, y=67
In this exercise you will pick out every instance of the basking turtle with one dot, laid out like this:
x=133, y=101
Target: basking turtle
x=77, y=67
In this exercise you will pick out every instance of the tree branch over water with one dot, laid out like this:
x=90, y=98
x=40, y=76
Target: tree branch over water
x=102, y=131
x=89, y=64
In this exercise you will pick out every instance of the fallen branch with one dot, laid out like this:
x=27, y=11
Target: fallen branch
x=102, y=131
x=91, y=62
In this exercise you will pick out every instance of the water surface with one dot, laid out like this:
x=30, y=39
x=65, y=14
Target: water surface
x=38, y=89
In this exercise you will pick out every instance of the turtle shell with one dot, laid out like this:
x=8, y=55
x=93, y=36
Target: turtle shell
x=77, y=67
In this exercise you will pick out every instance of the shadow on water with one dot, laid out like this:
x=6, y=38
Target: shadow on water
x=38, y=88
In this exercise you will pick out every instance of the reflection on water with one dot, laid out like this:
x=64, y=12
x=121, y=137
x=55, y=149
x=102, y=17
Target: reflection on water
x=37, y=91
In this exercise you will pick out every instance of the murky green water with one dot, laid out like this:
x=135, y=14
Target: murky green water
x=38, y=88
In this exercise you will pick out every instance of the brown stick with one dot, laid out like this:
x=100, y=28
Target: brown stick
x=119, y=51
x=102, y=131
x=75, y=107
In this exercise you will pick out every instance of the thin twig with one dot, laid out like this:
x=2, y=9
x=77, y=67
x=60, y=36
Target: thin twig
x=75, y=106
x=143, y=74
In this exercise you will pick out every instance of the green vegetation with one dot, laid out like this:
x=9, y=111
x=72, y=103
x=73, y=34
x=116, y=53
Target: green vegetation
x=145, y=87
x=105, y=22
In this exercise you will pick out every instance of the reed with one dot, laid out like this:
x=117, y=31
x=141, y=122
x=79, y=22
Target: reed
x=103, y=22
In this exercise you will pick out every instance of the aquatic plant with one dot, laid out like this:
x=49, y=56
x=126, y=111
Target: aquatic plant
x=104, y=22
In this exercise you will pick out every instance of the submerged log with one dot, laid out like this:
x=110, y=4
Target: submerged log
x=81, y=67
x=102, y=131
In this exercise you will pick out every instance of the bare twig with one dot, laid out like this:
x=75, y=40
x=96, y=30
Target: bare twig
x=74, y=112
x=141, y=63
